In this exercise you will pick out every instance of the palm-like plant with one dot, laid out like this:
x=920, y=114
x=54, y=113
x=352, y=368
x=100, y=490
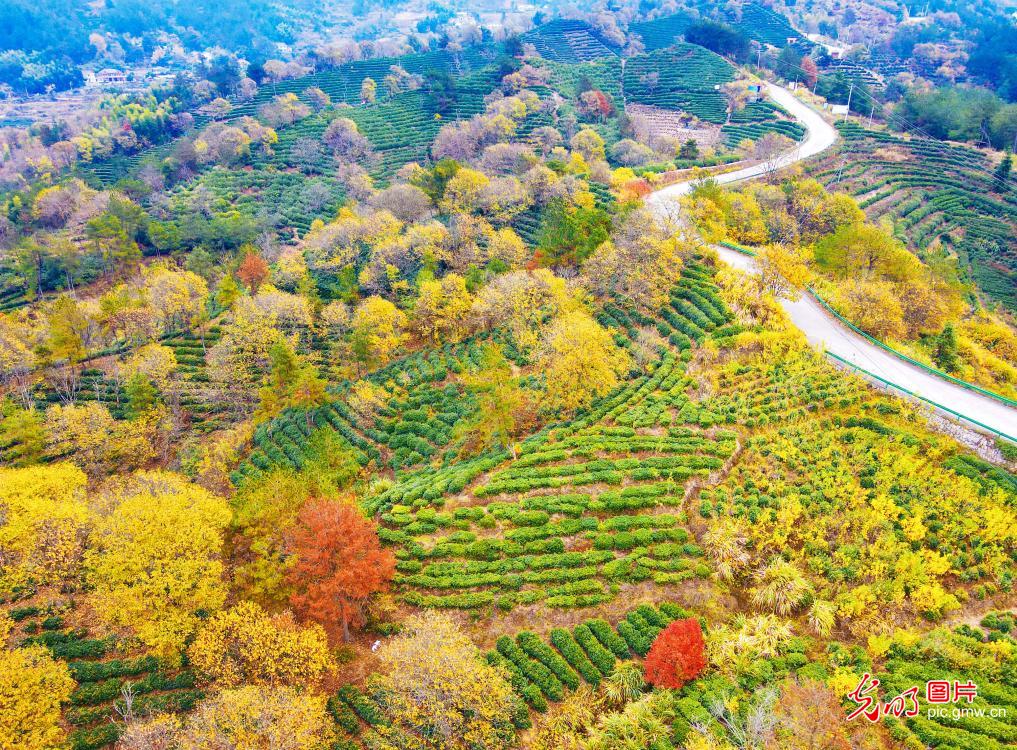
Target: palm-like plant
x=624, y=684
x=726, y=544
x=782, y=587
x=822, y=617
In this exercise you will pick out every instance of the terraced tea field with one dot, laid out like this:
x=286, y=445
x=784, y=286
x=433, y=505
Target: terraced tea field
x=568, y=41
x=686, y=79
x=932, y=190
x=106, y=670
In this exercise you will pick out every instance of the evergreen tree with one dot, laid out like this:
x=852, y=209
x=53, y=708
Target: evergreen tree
x=1002, y=173
x=141, y=395
x=946, y=349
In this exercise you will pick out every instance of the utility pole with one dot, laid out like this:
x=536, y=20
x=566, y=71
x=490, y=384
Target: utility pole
x=871, y=112
x=850, y=92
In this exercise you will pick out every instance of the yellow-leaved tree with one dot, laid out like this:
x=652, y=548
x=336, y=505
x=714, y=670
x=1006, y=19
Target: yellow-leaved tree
x=378, y=329
x=442, y=310
x=154, y=563
x=246, y=645
x=258, y=717
x=43, y=518
x=436, y=684
x=580, y=361
x=32, y=687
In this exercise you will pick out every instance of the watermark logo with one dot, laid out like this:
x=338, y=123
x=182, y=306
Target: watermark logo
x=870, y=707
x=939, y=694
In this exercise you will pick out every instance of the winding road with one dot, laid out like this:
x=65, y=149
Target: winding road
x=826, y=332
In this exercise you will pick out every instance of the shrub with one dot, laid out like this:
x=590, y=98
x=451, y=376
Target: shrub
x=635, y=640
x=574, y=655
x=677, y=655
x=543, y=653
x=595, y=651
x=609, y=638
x=343, y=715
x=532, y=669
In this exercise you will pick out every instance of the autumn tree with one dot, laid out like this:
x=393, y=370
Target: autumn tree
x=97, y=442
x=678, y=654
x=258, y=717
x=253, y=270
x=810, y=717
x=377, y=331
x=782, y=271
x=155, y=563
x=865, y=251
x=32, y=688
x=810, y=71
x=504, y=408
x=244, y=645
x=346, y=142
x=436, y=684
x=45, y=518
x=177, y=297
x=770, y=149
x=595, y=103
x=338, y=565
x=580, y=361
x=589, y=144
x=441, y=313
x=640, y=262
x=368, y=91
x=519, y=301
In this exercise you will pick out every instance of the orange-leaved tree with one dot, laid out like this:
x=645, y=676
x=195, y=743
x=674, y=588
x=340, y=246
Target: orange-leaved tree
x=339, y=564
x=252, y=271
x=677, y=655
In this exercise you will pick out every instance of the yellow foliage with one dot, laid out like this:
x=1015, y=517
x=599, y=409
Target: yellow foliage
x=442, y=309
x=843, y=681
x=43, y=519
x=155, y=557
x=246, y=645
x=378, y=329
x=878, y=645
x=32, y=687
x=258, y=718
x=437, y=684
x=580, y=361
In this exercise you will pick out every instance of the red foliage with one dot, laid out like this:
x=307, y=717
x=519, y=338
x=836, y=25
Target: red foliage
x=810, y=71
x=677, y=655
x=637, y=188
x=252, y=271
x=339, y=563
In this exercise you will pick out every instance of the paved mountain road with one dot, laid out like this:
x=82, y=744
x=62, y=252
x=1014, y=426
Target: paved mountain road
x=822, y=329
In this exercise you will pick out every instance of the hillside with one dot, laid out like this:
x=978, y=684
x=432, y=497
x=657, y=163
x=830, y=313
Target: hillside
x=414, y=402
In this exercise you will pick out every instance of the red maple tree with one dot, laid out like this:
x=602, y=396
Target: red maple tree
x=810, y=71
x=252, y=271
x=339, y=564
x=678, y=654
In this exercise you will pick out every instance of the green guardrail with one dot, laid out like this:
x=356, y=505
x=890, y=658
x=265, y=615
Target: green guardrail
x=737, y=248
x=929, y=401
x=906, y=358
x=921, y=365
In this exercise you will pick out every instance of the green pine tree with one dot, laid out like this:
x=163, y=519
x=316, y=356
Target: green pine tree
x=141, y=393
x=946, y=349
x=1002, y=173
